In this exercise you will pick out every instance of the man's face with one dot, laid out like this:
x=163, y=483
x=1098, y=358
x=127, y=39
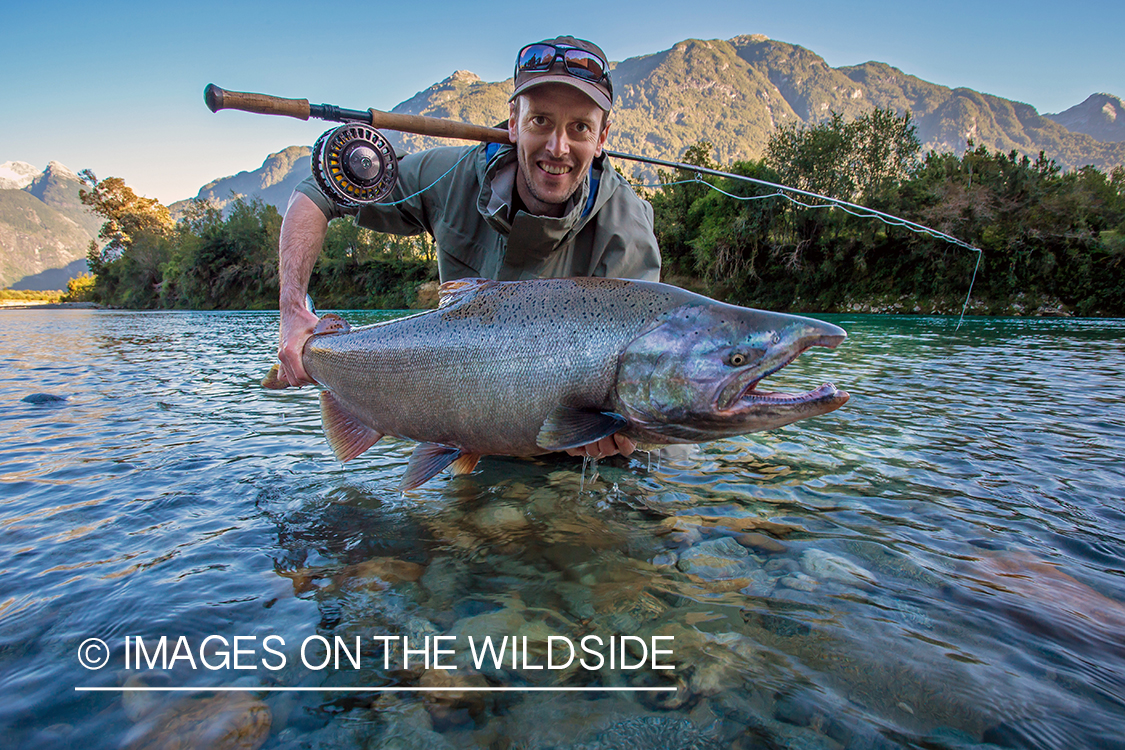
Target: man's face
x=558, y=131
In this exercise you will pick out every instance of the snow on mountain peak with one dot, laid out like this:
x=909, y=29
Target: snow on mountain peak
x=15, y=175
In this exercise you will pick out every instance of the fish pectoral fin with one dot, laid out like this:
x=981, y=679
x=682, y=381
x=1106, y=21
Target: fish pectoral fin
x=451, y=291
x=567, y=427
x=426, y=462
x=347, y=435
x=331, y=323
x=465, y=464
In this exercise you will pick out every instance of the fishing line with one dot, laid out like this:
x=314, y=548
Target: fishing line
x=853, y=209
x=781, y=191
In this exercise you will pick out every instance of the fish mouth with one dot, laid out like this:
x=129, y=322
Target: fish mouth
x=741, y=392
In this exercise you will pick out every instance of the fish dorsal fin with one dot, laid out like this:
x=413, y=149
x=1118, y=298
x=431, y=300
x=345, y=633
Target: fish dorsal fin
x=331, y=323
x=347, y=435
x=426, y=462
x=567, y=427
x=451, y=291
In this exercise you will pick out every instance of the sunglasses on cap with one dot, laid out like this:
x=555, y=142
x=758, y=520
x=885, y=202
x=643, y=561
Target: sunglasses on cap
x=577, y=62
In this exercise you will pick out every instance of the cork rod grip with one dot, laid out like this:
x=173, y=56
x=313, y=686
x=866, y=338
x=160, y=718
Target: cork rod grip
x=436, y=127
x=264, y=104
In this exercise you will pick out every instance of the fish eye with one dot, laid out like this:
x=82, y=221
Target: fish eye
x=737, y=359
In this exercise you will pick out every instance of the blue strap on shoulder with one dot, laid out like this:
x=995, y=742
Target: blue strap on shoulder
x=593, y=193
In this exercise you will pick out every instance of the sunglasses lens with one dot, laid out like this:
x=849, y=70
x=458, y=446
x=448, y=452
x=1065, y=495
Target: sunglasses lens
x=584, y=65
x=536, y=57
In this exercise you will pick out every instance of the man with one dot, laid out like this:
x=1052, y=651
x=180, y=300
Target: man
x=546, y=206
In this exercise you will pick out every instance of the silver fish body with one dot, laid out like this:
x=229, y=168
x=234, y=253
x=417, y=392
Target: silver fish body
x=525, y=368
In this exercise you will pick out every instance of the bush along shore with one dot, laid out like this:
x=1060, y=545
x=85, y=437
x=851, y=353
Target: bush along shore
x=1051, y=242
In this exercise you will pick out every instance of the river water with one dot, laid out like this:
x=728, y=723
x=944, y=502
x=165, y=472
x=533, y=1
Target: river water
x=940, y=563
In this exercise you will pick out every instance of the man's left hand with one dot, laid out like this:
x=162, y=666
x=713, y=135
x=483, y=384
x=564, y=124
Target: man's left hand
x=607, y=446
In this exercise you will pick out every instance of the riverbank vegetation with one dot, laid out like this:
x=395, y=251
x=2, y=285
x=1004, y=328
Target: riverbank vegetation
x=212, y=260
x=1051, y=241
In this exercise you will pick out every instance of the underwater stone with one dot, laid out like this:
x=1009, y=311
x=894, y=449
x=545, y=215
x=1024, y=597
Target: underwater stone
x=799, y=581
x=43, y=398
x=760, y=542
x=826, y=565
x=717, y=559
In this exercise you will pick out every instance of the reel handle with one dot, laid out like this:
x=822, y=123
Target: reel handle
x=264, y=104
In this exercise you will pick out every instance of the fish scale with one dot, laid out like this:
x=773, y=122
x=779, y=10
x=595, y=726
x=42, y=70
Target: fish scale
x=523, y=368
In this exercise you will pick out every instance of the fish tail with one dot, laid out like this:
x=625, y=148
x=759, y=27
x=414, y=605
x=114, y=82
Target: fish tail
x=273, y=381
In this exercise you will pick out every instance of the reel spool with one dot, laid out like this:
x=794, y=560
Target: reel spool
x=354, y=164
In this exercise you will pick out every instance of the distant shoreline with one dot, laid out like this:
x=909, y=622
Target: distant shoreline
x=33, y=305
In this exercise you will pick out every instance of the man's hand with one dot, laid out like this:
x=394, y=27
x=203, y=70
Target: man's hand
x=302, y=235
x=297, y=326
x=607, y=446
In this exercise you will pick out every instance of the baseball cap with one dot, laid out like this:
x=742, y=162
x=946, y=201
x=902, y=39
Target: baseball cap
x=566, y=60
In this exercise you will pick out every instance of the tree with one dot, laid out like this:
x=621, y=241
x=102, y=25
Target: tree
x=136, y=235
x=126, y=213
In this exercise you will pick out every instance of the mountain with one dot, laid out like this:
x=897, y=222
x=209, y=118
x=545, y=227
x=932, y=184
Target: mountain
x=1101, y=116
x=272, y=183
x=16, y=175
x=44, y=228
x=734, y=92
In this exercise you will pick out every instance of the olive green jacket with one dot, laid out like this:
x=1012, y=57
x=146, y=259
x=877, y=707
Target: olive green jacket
x=468, y=213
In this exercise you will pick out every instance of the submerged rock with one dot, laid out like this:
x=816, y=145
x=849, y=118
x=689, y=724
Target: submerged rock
x=43, y=398
x=827, y=566
x=716, y=559
x=644, y=732
x=228, y=721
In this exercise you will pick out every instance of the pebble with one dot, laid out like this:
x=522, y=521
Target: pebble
x=799, y=581
x=761, y=543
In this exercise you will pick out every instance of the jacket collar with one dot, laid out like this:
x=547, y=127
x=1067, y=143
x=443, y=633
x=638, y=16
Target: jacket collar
x=531, y=238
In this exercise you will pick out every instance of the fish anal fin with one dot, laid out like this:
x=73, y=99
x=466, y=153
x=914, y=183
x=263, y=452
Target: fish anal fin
x=331, y=323
x=567, y=427
x=426, y=462
x=451, y=291
x=347, y=435
x=465, y=464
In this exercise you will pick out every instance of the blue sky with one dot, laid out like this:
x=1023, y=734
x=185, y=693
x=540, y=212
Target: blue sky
x=117, y=86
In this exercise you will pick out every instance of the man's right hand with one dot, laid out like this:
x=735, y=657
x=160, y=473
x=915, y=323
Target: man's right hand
x=302, y=236
x=296, y=327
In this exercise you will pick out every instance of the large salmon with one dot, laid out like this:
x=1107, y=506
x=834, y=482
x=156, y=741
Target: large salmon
x=527, y=367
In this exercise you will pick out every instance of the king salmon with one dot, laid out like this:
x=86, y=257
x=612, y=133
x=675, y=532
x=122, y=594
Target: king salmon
x=521, y=368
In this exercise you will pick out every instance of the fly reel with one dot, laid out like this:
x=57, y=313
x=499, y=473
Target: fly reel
x=354, y=164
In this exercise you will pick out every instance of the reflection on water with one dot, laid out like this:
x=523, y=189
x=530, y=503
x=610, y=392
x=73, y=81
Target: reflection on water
x=938, y=564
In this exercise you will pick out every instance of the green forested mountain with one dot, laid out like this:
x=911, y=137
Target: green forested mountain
x=272, y=183
x=1101, y=116
x=733, y=93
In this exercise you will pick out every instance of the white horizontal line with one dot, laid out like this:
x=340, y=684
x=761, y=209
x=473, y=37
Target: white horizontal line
x=221, y=689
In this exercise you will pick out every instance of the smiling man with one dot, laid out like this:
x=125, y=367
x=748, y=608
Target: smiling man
x=549, y=205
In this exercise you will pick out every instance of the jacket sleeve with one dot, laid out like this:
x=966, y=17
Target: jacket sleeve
x=626, y=234
x=408, y=208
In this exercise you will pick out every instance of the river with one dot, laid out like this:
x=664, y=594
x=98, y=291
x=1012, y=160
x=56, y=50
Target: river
x=939, y=563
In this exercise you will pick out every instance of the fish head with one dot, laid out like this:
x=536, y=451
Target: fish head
x=694, y=374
